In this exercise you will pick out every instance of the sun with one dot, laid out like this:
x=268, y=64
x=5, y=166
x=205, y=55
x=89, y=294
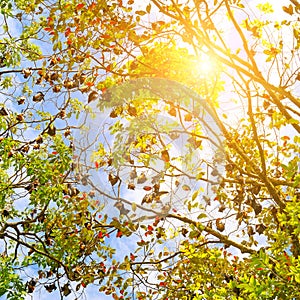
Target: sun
x=206, y=66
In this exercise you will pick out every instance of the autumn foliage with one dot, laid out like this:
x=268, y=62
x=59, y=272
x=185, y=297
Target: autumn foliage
x=150, y=149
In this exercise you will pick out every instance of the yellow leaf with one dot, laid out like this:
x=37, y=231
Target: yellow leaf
x=148, y=8
x=297, y=278
x=195, y=195
x=133, y=206
x=186, y=188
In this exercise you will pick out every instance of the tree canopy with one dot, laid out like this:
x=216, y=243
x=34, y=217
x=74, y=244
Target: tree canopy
x=150, y=149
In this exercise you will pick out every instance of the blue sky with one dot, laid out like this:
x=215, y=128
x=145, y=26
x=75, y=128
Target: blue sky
x=122, y=248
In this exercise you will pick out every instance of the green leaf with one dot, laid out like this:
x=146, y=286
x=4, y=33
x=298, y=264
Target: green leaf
x=202, y=216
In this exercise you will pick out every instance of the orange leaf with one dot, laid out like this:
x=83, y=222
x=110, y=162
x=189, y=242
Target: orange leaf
x=165, y=156
x=172, y=111
x=188, y=117
x=220, y=225
x=105, y=36
x=266, y=96
x=92, y=6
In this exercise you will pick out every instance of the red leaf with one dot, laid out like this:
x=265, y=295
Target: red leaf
x=150, y=228
x=96, y=164
x=147, y=188
x=67, y=31
x=80, y=6
x=156, y=221
x=100, y=235
x=119, y=234
x=90, y=84
x=132, y=257
x=108, y=68
x=49, y=29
